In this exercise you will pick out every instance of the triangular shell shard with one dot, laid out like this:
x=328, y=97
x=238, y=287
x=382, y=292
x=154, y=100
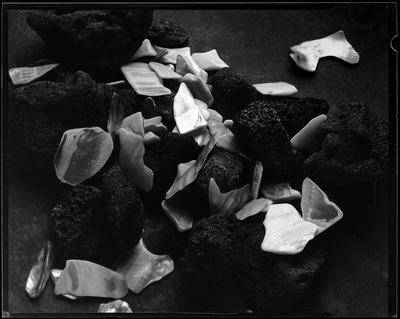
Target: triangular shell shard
x=26, y=75
x=307, y=54
x=141, y=267
x=317, y=208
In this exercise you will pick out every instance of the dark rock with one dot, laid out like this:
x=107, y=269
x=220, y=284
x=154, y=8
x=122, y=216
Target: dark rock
x=148, y=108
x=167, y=33
x=223, y=249
x=259, y=129
x=95, y=41
x=296, y=112
x=231, y=92
x=353, y=148
x=123, y=207
x=76, y=220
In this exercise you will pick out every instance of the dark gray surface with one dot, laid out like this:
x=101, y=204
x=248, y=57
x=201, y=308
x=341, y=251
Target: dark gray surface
x=255, y=43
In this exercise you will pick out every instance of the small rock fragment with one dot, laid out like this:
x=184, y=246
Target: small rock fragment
x=168, y=33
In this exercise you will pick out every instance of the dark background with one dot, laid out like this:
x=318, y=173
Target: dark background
x=255, y=41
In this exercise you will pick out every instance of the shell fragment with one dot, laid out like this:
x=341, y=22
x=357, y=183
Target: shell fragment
x=279, y=192
x=55, y=274
x=26, y=75
x=209, y=61
x=253, y=207
x=146, y=49
x=306, y=140
x=114, y=307
x=163, y=71
x=276, y=88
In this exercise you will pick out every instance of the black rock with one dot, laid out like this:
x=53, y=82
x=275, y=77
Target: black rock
x=95, y=41
x=76, y=222
x=123, y=207
x=260, y=131
x=167, y=33
x=223, y=249
x=296, y=112
x=231, y=92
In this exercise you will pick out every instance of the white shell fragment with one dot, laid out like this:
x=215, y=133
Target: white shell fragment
x=40, y=271
x=256, y=178
x=54, y=275
x=209, y=61
x=229, y=202
x=276, y=88
x=114, y=307
x=253, y=207
x=306, y=139
x=172, y=54
x=307, y=54
x=81, y=154
x=146, y=49
x=286, y=233
x=117, y=84
x=164, y=71
x=187, y=115
x=116, y=116
x=179, y=212
x=203, y=75
x=227, y=140
x=317, y=208
x=144, y=80
x=26, y=75
x=142, y=268
x=198, y=88
x=279, y=192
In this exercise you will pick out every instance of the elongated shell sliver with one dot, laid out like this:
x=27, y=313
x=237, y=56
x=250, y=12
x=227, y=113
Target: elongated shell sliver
x=26, y=75
x=142, y=268
x=317, y=208
x=276, y=88
x=286, y=233
x=81, y=154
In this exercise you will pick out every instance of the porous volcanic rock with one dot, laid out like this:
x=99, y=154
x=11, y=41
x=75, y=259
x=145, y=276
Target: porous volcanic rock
x=231, y=92
x=95, y=41
x=123, y=208
x=260, y=131
x=167, y=33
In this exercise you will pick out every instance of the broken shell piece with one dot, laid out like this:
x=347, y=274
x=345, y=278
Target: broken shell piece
x=26, y=75
x=163, y=71
x=141, y=267
x=81, y=154
x=83, y=278
x=276, y=88
x=209, y=61
x=131, y=160
x=179, y=214
x=40, y=271
x=256, y=178
x=203, y=75
x=253, y=207
x=226, y=141
x=187, y=115
x=154, y=125
x=172, y=54
x=144, y=80
x=228, y=123
x=227, y=203
x=306, y=140
x=279, y=192
x=160, y=52
x=146, y=49
x=114, y=307
x=203, y=107
x=317, y=208
x=150, y=138
x=198, y=88
x=116, y=116
x=307, y=54
x=215, y=115
x=134, y=123
x=286, y=233
x=202, y=137
x=182, y=67
x=54, y=275
x=117, y=84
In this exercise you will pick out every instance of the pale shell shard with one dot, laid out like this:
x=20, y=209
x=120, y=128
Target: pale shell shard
x=116, y=116
x=131, y=160
x=276, y=88
x=227, y=140
x=279, y=192
x=187, y=115
x=286, y=233
x=203, y=75
x=154, y=125
x=150, y=139
x=256, y=178
x=83, y=278
x=81, y=154
x=172, y=54
x=253, y=207
x=209, y=61
x=146, y=49
x=306, y=139
x=117, y=84
x=307, y=54
x=40, y=271
x=182, y=67
x=142, y=268
x=26, y=75
x=55, y=274
x=203, y=107
x=116, y=306
x=202, y=137
x=144, y=80
x=164, y=71
x=317, y=208
x=134, y=123
x=227, y=203
x=198, y=88
x=180, y=216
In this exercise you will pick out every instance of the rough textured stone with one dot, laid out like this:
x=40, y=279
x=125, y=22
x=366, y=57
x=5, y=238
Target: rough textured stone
x=95, y=41
x=231, y=92
x=259, y=129
x=76, y=220
x=354, y=146
x=296, y=112
x=167, y=33
x=223, y=249
x=123, y=207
